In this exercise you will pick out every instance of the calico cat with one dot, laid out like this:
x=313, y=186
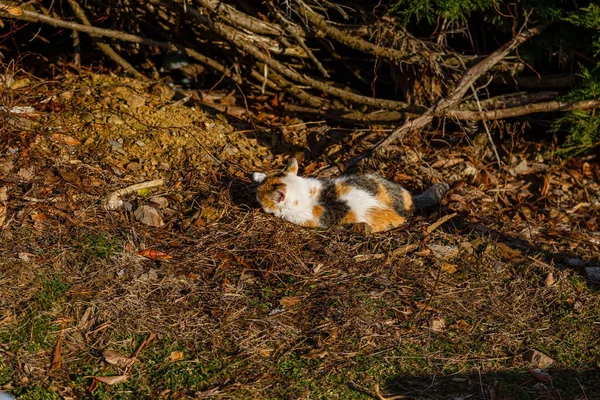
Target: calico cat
x=322, y=203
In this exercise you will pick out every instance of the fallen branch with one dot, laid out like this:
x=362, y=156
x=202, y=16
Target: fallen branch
x=113, y=200
x=458, y=92
x=234, y=38
x=545, y=107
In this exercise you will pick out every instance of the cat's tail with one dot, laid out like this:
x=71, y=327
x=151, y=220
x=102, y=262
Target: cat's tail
x=431, y=196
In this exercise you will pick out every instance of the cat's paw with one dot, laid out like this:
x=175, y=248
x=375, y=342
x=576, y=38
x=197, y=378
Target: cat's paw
x=362, y=228
x=258, y=177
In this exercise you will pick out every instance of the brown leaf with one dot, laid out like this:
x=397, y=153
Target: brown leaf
x=314, y=353
x=176, y=356
x=66, y=139
x=289, y=301
x=154, y=254
x=39, y=217
x=538, y=358
x=449, y=268
x=69, y=176
x=109, y=380
x=113, y=357
x=149, y=216
x=437, y=325
x=57, y=358
x=549, y=281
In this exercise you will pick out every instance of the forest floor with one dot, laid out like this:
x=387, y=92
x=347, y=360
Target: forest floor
x=497, y=301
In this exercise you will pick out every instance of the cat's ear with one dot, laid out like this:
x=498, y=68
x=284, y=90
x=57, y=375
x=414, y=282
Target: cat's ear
x=258, y=177
x=292, y=167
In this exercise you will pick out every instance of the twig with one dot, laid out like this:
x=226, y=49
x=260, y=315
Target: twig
x=487, y=129
x=106, y=49
x=438, y=223
x=113, y=201
x=380, y=396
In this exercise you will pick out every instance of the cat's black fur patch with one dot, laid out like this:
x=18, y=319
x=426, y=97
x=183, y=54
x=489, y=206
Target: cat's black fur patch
x=365, y=182
x=395, y=192
x=334, y=208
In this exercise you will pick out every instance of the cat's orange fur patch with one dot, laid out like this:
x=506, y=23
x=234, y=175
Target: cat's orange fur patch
x=383, y=195
x=341, y=189
x=313, y=192
x=382, y=219
x=317, y=211
x=407, y=200
x=349, y=218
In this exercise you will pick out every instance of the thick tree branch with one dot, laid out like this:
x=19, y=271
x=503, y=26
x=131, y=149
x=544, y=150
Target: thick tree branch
x=460, y=89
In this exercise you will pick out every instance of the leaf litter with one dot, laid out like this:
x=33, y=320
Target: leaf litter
x=377, y=296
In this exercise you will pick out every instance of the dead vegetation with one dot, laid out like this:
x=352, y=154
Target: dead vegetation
x=224, y=301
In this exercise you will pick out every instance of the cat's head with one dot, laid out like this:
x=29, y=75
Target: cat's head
x=272, y=191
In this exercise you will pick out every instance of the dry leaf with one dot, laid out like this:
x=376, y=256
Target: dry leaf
x=176, y=356
x=549, y=281
x=66, y=139
x=113, y=357
x=443, y=252
x=69, y=176
x=39, y=217
x=289, y=301
x=449, y=268
x=154, y=254
x=149, y=216
x=109, y=380
x=538, y=358
x=57, y=359
x=265, y=352
x=437, y=325
x=314, y=353
x=16, y=11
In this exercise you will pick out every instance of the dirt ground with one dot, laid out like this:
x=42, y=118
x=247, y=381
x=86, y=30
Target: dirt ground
x=188, y=290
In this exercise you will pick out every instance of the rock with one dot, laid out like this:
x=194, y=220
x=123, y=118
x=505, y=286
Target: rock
x=149, y=216
x=574, y=262
x=114, y=120
x=160, y=202
x=593, y=274
x=443, y=252
x=521, y=168
x=467, y=247
x=135, y=101
x=537, y=358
